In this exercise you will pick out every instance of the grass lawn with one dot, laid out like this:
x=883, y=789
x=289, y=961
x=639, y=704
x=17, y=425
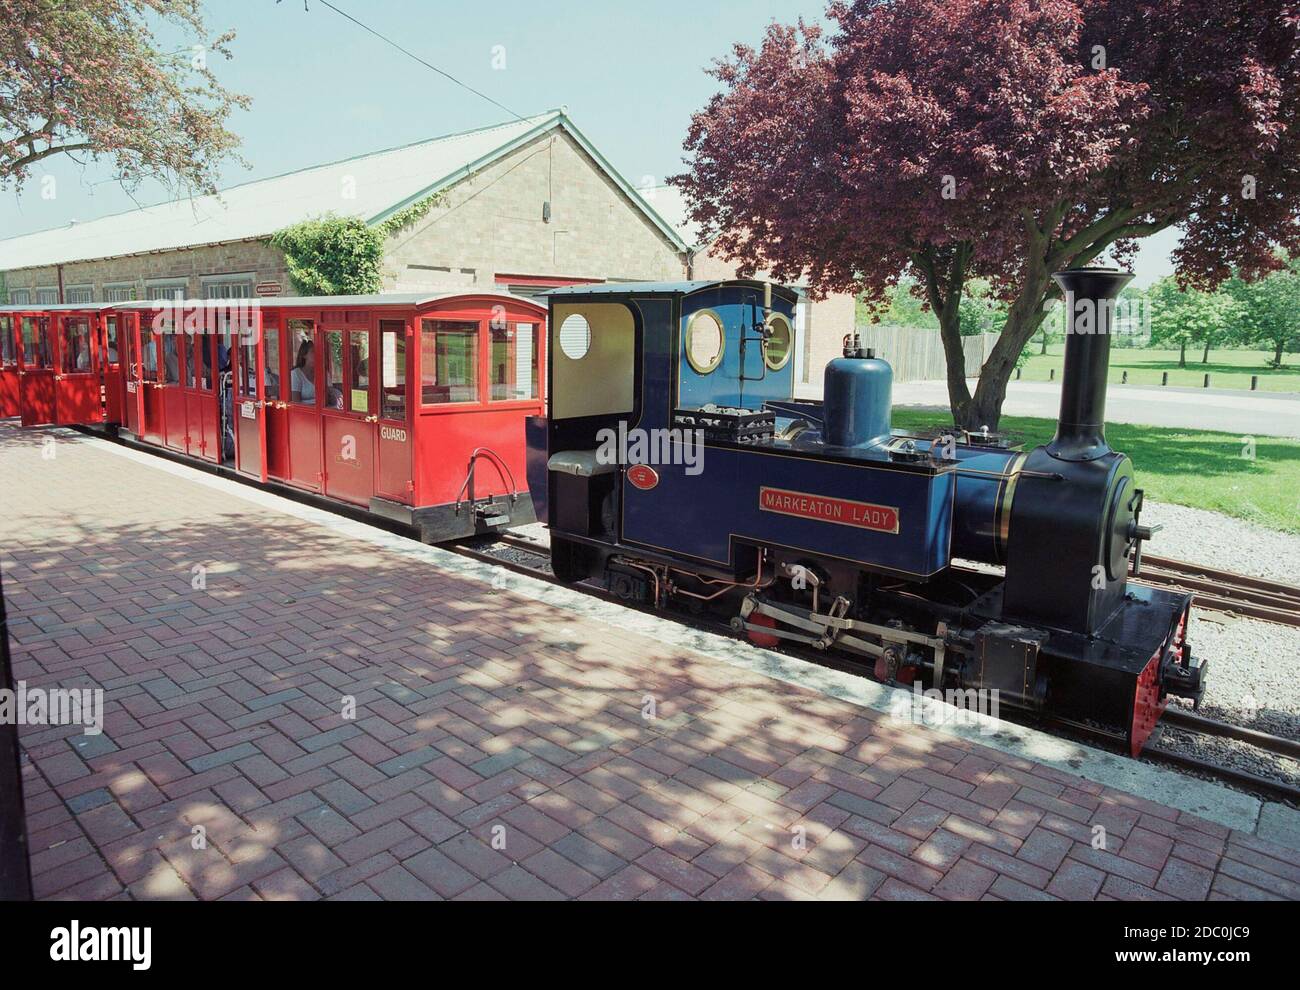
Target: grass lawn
x=1198, y=468
x=1227, y=368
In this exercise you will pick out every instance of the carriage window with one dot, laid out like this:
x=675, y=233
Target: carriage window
x=302, y=377
x=392, y=356
x=171, y=359
x=271, y=356
x=202, y=369
x=110, y=335
x=448, y=361
x=191, y=345
x=149, y=356
x=776, y=351
x=514, y=362
x=36, y=342
x=7, y=355
x=76, y=345
x=704, y=341
x=334, y=369
x=358, y=395
x=575, y=337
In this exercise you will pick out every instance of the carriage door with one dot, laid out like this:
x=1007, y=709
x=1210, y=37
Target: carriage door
x=302, y=409
x=129, y=342
x=77, y=396
x=350, y=415
x=110, y=349
x=175, y=355
x=250, y=403
x=393, y=474
x=202, y=416
x=9, y=401
x=38, y=372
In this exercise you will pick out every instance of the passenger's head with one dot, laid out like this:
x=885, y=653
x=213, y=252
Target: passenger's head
x=306, y=356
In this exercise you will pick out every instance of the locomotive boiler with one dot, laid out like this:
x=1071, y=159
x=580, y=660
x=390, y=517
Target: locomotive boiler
x=959, y=561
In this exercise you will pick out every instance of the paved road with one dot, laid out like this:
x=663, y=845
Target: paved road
x=1244, y=413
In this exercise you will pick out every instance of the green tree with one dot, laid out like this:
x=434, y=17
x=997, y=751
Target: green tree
x=1181, y=317
x=1269, y=310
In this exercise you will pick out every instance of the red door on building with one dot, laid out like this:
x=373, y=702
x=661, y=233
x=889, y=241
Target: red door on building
x=349, y=414
x=37, y=389
x=303, y=404
x=395, y=437
x=77, y=386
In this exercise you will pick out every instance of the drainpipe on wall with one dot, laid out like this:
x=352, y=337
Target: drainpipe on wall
x=60, y=269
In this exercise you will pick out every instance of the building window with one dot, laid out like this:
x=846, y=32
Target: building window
x=119, y=293
x=228, y=287
x=513, y=371
x=165, y=290
x=448, y=361
x=20, y=297
x=80, y=295
x=47, y=297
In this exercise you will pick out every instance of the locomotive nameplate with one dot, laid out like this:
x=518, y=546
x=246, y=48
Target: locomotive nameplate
x=863, y=515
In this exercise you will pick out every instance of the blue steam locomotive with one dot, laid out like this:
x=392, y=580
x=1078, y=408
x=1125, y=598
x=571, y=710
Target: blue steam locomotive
x=676, y=468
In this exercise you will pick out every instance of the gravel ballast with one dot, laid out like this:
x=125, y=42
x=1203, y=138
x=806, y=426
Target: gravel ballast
x=1211, y=538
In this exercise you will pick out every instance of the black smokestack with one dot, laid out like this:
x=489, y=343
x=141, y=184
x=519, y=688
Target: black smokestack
x=1090, y=295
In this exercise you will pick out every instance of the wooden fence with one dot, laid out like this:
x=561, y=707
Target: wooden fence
x=917, y=355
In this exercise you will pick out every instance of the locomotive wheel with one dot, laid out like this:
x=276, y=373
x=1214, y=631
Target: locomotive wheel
x=568, y=561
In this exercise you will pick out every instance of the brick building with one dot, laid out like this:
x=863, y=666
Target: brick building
x=526, y=205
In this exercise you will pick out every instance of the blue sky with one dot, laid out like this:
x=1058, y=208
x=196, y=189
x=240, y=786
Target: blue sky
x=630, y=74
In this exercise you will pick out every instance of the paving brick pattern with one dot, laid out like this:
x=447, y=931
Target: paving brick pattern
x=497, y=747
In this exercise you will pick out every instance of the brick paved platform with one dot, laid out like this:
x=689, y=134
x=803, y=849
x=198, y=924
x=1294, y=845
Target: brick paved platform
x=500, y=746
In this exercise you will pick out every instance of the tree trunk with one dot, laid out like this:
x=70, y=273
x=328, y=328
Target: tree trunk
x=1044, y=350
x=1024, y=319
x=1277, y=352
x=1205, y=358
x=1182, y=354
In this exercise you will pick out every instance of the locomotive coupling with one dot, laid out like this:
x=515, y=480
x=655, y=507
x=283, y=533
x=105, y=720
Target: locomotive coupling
x=1185, y=679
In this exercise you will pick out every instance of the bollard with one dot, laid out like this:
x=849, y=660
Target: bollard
x=1164, y=379
x=1254, y=383
x=1124, y=379
x=1017, y=374
x=1207, y=381
x=1051, y=375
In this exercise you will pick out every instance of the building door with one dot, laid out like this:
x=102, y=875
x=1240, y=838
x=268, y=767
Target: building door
x=303, y=404
x=37, y=392
x=349, y=414
x=395, y=434
x=77, y=386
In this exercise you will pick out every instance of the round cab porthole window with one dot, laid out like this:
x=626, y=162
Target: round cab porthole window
x=779, y=342
x=575, y=337
x=704, y=341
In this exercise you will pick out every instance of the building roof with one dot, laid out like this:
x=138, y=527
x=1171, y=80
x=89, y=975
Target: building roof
x=384, y=182
x=668, y=288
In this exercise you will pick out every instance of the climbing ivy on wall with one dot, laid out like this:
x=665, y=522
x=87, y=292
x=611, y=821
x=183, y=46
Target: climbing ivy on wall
x=338, y=256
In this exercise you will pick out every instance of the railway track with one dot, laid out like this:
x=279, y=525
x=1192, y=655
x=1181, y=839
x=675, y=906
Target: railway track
x=1224, y=591
x=1185, y=721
